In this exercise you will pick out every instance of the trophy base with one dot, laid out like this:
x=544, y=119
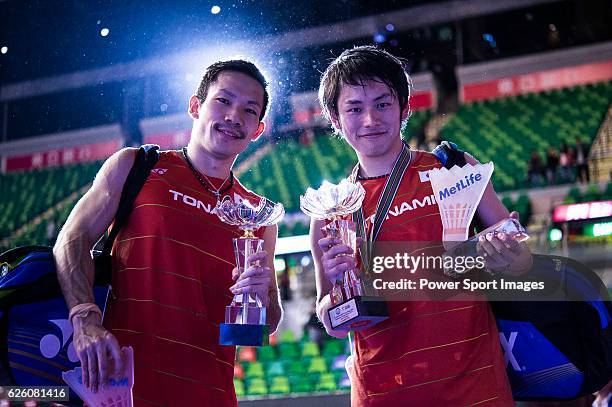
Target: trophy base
x=243, y=334
x=358, y=313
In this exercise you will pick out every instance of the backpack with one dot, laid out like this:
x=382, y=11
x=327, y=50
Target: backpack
x=553, y=350
x=34, y=326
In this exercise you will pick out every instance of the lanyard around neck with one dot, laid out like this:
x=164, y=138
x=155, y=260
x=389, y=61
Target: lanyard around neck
x=384, y=203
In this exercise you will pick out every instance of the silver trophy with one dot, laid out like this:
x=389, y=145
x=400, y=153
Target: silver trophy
x=245, y=317
x=509, y=226
x=355, y=305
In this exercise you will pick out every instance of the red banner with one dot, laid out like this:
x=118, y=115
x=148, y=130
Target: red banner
x=582, y=211
x=68, y=155
x=304, y=116
x=538, y=81
x=422, y=101
x=168, y=141
x=418, y=101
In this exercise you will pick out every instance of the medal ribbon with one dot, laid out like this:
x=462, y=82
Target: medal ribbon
x=382, y=208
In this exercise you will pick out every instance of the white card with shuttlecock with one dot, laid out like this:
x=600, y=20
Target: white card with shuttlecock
x=118, y=392
x=458, y=191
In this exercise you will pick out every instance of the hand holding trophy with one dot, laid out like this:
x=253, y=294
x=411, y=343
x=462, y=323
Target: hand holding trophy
x=245, y=317
x=458, y=192
x=354, y=305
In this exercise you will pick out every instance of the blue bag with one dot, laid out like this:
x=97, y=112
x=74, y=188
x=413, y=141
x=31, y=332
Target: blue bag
x=554, y=350
x=38, y=333
x=558, y=350
x=34, y=326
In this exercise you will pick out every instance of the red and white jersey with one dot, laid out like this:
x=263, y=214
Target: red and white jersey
x=428, y=353
x=172, y=269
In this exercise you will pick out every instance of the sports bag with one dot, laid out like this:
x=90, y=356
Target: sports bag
x=35, y=334
x=553, y=350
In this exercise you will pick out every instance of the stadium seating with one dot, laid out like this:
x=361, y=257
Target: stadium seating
x=507, y=130
x=26, y=195
x=522, y=205
x=251, y=148
x=291, y=167
x=592, y=193
x=291, y=366
x=279, y=385
x=509, y=127
x=505, y=127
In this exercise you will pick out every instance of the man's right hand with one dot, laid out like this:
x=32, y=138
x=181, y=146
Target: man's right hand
x=337, y=258
x=96, y=347
x=322, y=307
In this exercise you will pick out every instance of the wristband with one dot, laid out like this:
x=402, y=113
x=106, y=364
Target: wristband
x=83, y=310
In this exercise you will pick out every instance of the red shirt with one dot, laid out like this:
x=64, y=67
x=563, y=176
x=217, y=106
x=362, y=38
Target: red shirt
x=172, y=267
x=428, y=353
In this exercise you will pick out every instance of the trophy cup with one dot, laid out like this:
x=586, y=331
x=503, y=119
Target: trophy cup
x=354, y=303
x=245, y=317
x=458, y=191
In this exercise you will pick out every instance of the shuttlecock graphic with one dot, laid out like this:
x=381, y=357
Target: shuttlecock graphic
x=118, y=393
x=458, y=192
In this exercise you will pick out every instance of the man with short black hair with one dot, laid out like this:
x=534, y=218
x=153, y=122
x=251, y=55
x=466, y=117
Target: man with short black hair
x=172, y=271
x=427, y=353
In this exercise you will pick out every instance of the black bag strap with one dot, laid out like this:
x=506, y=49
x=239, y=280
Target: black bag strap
x=146, y=158
x=449, y=155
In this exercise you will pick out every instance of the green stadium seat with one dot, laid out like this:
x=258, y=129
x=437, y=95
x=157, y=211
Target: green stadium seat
x=256, y=387
x=239, y=386
x=327, y=382
x=295, y=367
x=287, y=336
x=300, y=384
x=275, y=368
x=280, y=385
x=333, y=347
x=254, y=369
x=288, y=351
x=310, y=349
x=266, y=353
x=317, y=365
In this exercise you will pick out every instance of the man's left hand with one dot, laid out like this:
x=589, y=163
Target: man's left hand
x=503, y=253
x=256, y=279
x=603, y=396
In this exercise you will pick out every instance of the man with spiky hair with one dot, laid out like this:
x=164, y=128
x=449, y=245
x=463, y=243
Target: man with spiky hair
x=427, y=353
x=172, y=262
